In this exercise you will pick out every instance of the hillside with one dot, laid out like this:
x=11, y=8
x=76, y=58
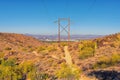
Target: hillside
x=14, y=41
x=91, y=57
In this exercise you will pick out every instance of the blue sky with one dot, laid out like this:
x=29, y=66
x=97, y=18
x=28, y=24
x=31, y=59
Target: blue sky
x=38, y=16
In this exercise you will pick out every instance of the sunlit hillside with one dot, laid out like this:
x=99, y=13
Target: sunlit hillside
x=26, y=58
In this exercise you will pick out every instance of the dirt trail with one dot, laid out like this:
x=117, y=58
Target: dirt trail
x=68, y=58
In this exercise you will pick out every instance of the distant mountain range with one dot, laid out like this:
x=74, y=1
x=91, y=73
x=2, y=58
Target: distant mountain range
x=64, y=37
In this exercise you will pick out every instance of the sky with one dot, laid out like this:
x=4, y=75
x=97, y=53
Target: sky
x=97, y=17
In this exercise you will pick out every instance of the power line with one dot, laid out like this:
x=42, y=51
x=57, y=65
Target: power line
x=62, y=28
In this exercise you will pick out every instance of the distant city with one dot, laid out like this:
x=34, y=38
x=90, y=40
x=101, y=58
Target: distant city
x=64, y=37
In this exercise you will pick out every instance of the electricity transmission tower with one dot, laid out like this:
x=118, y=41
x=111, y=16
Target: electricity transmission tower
x=65, y=28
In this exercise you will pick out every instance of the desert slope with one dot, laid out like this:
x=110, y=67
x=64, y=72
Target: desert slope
x=17, y=41
x=90, y=56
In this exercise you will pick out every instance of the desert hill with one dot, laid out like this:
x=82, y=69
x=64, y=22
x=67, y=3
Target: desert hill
x=101, y=54
x=12, y=41
x=17, y=39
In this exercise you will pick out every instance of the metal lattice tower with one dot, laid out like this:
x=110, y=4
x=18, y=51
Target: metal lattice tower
x=62, y=28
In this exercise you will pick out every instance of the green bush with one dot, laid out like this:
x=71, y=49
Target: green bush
x=87, y=52
x=45, y=49
x=106, y=61
x=9, y=70
x=2, y=54
x=51, y=49
x=87, y=49
x=87, y=43
x=26, y=66
x=68, y=73
x=115, y=58
x=64, y=43
x=40, y=49
x=9, y=62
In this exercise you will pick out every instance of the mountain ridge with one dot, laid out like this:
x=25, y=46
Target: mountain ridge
x=64, y=37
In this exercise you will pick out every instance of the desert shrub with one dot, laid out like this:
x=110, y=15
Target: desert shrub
x=6, y=73
x=46, y=49
x=115, y=58
x=31, y=49
x=9, y=62
x=29, y=70
x=64, y=43
x=106, y=61
x=26, y=66
x=2, y=54
x=86, y=52
x=118, y=37
x=8, y=48
x=51, y=49
x=87, y=43
x=87, y=49
x=68, y=73
x=115, y=44
x=103, y=62
x=43, y=76
x=24, y=49
x=9, y=70
x=29, y=46
x=41, y=48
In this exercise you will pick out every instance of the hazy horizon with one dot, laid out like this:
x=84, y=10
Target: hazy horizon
x=53, y=34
